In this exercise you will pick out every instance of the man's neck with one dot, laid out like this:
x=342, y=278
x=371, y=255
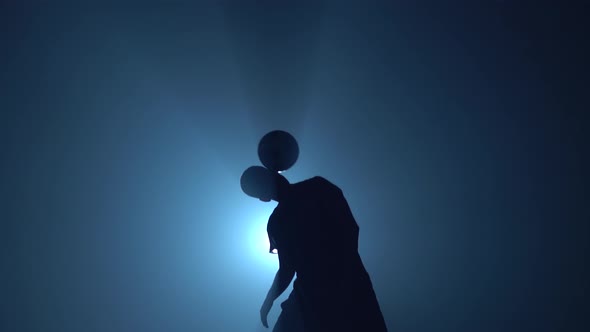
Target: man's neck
x=282, y=192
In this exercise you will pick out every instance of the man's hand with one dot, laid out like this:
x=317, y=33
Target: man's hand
x=264, y=310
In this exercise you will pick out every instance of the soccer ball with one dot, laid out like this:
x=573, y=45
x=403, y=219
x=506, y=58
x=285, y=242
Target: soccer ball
x=278, y=150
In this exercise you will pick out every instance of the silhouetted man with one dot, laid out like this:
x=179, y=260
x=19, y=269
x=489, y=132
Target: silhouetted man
x=316, y=236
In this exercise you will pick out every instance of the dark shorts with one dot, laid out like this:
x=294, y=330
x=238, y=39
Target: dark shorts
x=348, y=305
x=290, y=319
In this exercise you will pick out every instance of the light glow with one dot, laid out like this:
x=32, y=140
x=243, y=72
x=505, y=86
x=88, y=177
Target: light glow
x=259, y=244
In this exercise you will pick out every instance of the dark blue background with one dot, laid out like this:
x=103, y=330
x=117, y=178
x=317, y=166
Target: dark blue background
x=455, y=129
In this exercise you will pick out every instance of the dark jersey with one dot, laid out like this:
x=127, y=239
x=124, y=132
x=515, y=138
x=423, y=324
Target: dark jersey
x=314, y=229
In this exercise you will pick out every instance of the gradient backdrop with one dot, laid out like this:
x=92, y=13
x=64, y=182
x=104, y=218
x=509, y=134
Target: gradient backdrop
x=455, y=129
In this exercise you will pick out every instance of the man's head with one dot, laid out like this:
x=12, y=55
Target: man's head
x=261, y=183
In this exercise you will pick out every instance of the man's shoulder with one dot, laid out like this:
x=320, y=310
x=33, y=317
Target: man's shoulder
x=317, y=181
x=313, y=189
x=327, y=186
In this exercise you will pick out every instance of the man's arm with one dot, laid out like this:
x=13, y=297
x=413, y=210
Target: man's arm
x=282, y=279
x=281, y=282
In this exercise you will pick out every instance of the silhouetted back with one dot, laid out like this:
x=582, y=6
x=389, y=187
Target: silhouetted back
x=313, y=227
